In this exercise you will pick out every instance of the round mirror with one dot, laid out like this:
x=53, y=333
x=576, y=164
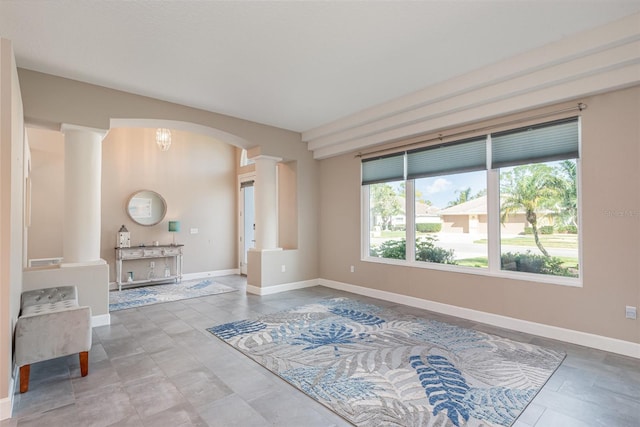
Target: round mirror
x=146, y=207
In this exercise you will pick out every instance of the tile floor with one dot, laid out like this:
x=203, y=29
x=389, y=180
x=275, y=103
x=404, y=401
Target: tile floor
x=157, y=366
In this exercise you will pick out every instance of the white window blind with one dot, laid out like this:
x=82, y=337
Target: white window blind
x=456, y=157
x=383, y=169
x=557, y=140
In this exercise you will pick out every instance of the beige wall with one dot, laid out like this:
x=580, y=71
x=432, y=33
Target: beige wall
x=610, y=182
x=47, y=194
x=50, y=100
x=88, y=279
x=287, y=206
x=197, y=179
x=131, y=161
x=11, y=214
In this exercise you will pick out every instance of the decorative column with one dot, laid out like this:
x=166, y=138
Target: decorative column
x=266, y=203
x=82, y=195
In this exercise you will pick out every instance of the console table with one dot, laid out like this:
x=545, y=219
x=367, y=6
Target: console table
x=150, y=252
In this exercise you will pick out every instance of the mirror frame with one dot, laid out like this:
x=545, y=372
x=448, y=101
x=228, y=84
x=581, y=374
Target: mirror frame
x=152, y=193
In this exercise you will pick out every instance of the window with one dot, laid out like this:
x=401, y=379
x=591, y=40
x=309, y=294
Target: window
x=387, y=220
x=539, y=198
x=383, y=177
x=503, y=204
x=451, y=219
x=450, y=187
x=539, y=218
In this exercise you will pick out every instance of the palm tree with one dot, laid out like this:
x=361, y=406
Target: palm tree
x=464, y=195
x=569, y=196
x=531, y=188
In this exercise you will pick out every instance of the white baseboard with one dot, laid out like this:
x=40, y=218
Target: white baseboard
x=195, y=276
x=205, y=274
x=100, y=320
x=268, y=290
x=6, y=404
x=613, y=345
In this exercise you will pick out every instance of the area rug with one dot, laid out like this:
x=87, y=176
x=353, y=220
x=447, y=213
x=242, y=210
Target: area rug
x=378, y=367
x=137, y=297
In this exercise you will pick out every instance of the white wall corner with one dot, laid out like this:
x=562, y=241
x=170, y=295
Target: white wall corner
x=599, y=342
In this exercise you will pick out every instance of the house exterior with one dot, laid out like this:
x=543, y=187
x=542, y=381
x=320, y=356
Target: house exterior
x=468, y=217
x=471, y=217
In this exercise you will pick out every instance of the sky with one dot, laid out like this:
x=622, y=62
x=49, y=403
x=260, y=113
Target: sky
x=441, y=190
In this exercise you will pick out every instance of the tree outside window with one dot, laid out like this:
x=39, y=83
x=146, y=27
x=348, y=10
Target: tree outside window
x=545, y=195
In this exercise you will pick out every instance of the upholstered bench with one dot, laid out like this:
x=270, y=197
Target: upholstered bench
x=51, y=324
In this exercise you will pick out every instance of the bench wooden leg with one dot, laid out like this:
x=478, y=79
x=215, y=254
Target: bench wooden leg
x=84, y=363
x=24, y=378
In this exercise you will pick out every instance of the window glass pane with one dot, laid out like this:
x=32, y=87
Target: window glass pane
x=539, y=218
x=451, y=219
x=387, y=220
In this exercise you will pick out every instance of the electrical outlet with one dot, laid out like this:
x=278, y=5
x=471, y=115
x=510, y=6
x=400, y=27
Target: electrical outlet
x=194, y=231
x=152, y=264
x=630, y=312
x=353, y=269
x=284, y=268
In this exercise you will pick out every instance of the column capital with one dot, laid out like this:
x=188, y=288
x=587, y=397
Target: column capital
x=65, y=127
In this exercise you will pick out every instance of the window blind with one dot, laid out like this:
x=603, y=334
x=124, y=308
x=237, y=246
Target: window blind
x=383, y=169
x=557, y=140
x=456, y=157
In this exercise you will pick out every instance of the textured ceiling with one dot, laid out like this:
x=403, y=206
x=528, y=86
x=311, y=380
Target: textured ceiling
x=295, y=65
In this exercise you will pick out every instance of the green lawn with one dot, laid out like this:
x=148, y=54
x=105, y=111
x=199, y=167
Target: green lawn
x=569, y=241
x=474, y=262
x=482, y=262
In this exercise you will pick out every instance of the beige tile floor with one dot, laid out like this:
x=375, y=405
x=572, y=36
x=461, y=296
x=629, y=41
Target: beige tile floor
x=158, y=366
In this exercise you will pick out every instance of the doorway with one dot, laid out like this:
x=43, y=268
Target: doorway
x=247, y=223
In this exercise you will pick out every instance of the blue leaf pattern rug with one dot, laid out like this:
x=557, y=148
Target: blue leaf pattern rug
x=137, y=297
x=377, y=367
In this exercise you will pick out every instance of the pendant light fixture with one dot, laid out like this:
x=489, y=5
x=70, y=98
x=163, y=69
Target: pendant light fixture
x=163, y=138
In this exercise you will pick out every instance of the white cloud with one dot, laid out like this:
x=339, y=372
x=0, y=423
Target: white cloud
x=439, y=185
